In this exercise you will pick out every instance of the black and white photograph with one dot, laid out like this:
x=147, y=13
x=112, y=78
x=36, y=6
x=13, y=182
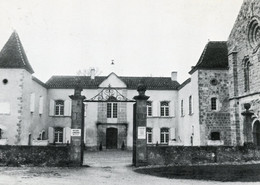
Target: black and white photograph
x=128, y=92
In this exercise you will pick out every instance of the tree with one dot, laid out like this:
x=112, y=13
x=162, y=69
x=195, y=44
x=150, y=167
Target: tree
x=87, y=72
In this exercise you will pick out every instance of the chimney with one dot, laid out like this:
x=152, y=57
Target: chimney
x=92, y=73
x=174, y=76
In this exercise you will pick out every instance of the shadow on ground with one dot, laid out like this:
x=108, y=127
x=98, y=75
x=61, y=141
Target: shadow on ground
x=224, y=173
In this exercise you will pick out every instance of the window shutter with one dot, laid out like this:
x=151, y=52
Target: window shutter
x=51, y=113
x=32, y=102
x=66, y=134
x=172, y=130
x=51, y=134
x=67, y=108
x=172, y=105
x=192, y=105
x=41, y=105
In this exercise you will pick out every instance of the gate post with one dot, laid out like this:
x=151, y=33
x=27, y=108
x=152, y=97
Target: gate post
x=248, y=131
x=139, y=128
x=77, y=128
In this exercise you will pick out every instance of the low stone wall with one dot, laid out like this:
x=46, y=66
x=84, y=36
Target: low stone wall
x=184, y=155
x=34, y=155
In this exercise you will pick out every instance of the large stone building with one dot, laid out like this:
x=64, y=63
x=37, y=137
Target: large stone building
x=244, y=76
x=207, y=109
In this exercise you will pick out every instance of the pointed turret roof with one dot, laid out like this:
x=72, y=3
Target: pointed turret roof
x=13, y=55
x=214, y=56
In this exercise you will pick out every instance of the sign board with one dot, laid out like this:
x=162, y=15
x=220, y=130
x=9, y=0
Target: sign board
x=75, y=132
x=141, y=133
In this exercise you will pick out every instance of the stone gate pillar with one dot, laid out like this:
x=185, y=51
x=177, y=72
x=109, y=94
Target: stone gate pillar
x=247, y=130
x=77, y=128
x=139, y=128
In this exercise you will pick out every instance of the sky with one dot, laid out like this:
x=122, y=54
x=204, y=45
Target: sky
x=143, y=37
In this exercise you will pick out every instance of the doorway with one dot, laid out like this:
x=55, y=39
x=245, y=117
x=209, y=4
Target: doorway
x=256, y=133
x=111, y=138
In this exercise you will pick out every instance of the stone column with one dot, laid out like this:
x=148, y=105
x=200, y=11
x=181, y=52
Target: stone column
x=139, y=128
x=77, y=122
x=247, y=130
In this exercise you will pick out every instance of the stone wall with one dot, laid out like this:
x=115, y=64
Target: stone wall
x=11, y=94
x=182, y=155
x=243, y=46
x=34, y=155
x=214, y=120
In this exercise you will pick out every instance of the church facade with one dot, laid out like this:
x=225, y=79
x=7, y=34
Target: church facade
x=206, y=109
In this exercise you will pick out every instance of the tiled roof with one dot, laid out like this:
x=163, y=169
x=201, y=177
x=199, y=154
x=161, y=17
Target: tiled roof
x=152, y=83
x=13, y=55
x=184, y=83
x=38, y=81
x=214, y=56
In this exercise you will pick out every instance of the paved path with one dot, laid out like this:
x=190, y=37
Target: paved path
x=106, y=167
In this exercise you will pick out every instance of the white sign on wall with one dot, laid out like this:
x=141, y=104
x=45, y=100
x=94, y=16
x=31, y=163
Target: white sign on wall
x=75, y=132
x=141, y=133
x=4, y=108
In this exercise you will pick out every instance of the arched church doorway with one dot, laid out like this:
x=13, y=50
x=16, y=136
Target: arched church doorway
x=256, y=133
x=111, y=138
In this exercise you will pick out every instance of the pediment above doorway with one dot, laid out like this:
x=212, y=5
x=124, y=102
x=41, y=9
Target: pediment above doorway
x=113, y=81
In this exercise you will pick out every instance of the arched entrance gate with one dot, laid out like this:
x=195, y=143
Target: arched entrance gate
x=109, y=95
x=111, y=126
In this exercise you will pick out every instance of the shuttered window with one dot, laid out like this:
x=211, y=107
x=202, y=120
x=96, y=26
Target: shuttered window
x=164, y=108
x=149, y=108
x=58, y=135
x=32, y=102
x=149, y=135
x=164, y=135
x=59, y=107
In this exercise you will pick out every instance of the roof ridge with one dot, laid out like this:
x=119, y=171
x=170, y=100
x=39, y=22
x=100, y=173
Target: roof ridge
x=217, y=41
x=203, y=54
x=108, y=75
x=19, y=46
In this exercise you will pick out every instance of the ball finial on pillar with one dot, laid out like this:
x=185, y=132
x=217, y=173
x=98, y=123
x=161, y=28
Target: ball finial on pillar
x=247, y=106
x=141, y=88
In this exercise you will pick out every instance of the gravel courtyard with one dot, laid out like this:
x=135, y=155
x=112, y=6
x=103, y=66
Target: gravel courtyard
x=106, y=167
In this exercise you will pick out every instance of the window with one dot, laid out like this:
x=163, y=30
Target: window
x=59, y=107
x=32, y=102
x=58, y=135
x=214, y=103
x=182, y=110
x=215, y=136
x=246, y=74
x=190, y=105
x=111, y=110
x=149, y=135
x=149, y=108
x=164, y=135
x=41, y=105
x=43, y=135
x=164, y=108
